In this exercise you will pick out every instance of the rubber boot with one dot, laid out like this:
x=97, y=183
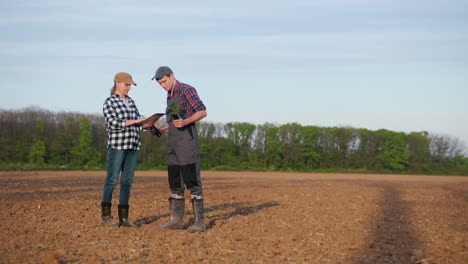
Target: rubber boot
x=199, y=211
x=106, y=214
x=177, y=210
x=123, y=216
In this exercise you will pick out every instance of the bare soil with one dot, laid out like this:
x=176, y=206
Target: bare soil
x=252, y=217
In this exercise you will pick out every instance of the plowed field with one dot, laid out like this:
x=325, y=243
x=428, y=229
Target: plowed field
x=252, y=217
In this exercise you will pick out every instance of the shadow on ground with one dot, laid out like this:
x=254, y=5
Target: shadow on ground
x=240, y=209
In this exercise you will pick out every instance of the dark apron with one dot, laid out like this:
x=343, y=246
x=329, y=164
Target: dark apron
x=183, y=158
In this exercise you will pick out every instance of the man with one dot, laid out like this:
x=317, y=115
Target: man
x=184, y=108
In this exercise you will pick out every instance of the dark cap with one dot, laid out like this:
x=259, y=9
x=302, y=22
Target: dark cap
x=161, y=72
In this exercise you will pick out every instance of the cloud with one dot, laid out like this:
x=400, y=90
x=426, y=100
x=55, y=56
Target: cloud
x=345, y=47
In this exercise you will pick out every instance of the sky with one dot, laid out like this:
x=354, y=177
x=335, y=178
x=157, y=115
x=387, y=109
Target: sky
x=375, y=64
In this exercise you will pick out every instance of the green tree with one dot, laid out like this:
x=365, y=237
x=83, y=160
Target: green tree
x=83, y=151
x=267, y=146
x=218, y=152
x=241, y=134
x=290, y=142
x=345, y=143
x=37, y=151
x=62, y=140
x=310, y=157
x=419, y=149
x=394, y=154
x=327, y=147
x=368, y=146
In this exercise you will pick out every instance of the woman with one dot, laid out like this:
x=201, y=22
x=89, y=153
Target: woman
x=123, y=142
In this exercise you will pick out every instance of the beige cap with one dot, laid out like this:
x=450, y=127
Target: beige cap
x=124, y=77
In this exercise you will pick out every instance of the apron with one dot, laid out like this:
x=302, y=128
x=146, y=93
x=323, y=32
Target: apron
x=183, y=156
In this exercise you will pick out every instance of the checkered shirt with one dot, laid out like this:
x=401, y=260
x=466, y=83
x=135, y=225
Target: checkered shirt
x=189, y=100
x=116, y=113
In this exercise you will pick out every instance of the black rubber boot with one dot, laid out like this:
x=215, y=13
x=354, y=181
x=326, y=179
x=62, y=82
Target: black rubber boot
x=106, y=214
x=123, y=216
x=177, y=209
x=199, y=211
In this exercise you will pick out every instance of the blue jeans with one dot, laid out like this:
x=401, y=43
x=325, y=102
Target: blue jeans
x=119, y=161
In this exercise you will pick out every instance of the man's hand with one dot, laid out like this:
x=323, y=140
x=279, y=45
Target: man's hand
x=179, y=123
x=194, y=118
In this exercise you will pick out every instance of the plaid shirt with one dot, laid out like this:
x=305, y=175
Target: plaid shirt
x=116, y=113
x=189, y=100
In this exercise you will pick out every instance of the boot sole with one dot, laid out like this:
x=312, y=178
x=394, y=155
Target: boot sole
x=196, y=230
x=171, y=227
x=129, y=226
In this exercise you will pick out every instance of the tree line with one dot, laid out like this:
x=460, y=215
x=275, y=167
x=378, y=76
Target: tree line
x=34, y=138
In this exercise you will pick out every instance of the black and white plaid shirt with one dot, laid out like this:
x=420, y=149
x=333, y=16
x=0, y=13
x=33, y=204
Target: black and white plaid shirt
x=116, y=113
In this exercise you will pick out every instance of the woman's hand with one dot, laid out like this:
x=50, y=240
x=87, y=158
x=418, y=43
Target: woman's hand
x=146, y=125
x=133, y=122
x=164, y=129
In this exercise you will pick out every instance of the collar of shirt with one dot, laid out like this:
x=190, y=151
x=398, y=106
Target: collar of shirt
x=116, y=96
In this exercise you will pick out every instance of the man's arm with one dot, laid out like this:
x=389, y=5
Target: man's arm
x=192, y=119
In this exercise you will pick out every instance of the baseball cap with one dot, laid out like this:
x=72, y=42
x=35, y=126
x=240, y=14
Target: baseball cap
x=161, y=72
x=124, y=77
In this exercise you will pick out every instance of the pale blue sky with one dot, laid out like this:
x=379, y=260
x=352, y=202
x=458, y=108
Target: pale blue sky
x=393, y=64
